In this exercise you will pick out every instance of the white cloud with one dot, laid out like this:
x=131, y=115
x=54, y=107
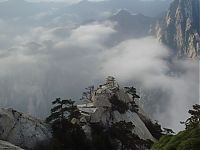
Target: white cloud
x=67, y=1
x=174, y=84
x=89, y=36
x=42, y=65
x=132, y=57
x=48, y=62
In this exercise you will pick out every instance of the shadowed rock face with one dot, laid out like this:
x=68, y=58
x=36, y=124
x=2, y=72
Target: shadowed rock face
x=99, y=110
x=22, y=130
x=180, y=28
x=8, y=146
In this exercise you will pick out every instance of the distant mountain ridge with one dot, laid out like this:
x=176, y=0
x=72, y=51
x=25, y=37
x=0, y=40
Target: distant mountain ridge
x=21, y=8
x=180, y=28
x=148, y=8
x=132, y=25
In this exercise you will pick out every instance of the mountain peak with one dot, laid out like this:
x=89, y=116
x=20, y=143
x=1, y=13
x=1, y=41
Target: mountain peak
x=123, y=12
x=180, y=28
x=103, y=103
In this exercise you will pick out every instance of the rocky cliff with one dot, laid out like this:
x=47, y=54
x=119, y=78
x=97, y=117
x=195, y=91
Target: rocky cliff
x=180, y=28
x=21, y=129
x=102, y=108
x=8, y=146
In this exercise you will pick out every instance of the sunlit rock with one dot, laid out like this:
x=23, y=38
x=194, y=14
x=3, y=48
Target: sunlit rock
x=100, y=109
x=180, y=28
x=8, y=146
x=21, y=129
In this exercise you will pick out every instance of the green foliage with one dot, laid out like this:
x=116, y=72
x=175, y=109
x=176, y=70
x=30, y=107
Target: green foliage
x=118, y=136
x=184, y=140
x=87, y=95
x=194, y=120
x=63, y=109
x=133, y=106
x=66, y=135
x=70, y=137
x=118, y=105
x=101, y=139
x=161, y=143
x=123, y=132
x=154, y=128
x=168, y=131
x=132, y=91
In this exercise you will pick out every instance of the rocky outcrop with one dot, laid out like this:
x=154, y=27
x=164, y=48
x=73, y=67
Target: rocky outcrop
x=100, y=109
x=180, y=28
x=8, y=146
x=21, y=129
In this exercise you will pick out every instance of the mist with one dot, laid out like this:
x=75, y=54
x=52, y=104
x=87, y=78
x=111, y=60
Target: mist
x=168, y=88
x=48, y=55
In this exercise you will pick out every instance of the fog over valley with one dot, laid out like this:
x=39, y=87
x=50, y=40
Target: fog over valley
x=56, y=49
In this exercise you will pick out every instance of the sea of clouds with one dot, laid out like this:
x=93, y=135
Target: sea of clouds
x=39, y=63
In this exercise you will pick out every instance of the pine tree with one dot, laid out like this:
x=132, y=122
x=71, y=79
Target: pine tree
x=168, y=131
x=194, y=120
x=132, y=91
x=154, y=128
x=67, y=134
x=63, y=110
x=87, y=95
x=123, y=131
x=118, y=105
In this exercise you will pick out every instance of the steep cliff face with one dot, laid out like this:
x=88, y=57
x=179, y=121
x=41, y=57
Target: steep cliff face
x=180, y=28
x=101, y=109
x=22, y=130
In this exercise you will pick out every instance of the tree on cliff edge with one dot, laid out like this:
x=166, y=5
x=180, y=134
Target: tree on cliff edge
x=194, y=120
x=66, y=130
x=132, y=91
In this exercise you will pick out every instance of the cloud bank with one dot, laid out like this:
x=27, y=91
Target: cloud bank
x=45, y=62
x=174, y=84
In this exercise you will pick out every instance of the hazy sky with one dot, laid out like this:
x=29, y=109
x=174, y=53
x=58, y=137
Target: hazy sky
x=68, y=1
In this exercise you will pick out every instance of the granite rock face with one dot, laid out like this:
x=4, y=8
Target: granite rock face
x=8, y=146
x=180, y=28
x=21, y=129
x=99, y=109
